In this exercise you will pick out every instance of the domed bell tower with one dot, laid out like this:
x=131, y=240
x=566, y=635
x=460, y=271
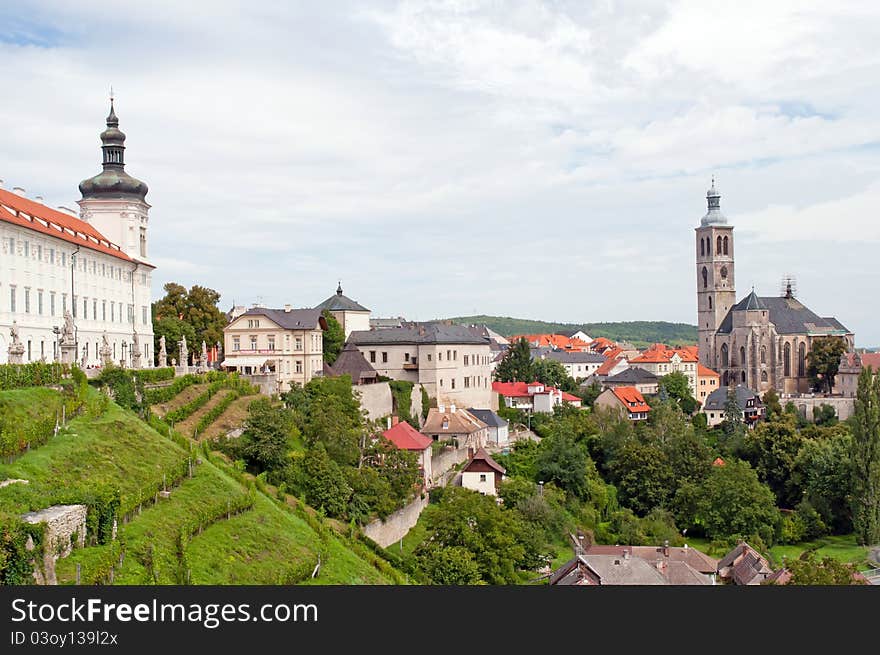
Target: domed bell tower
x=113, y=201
x=716, y=292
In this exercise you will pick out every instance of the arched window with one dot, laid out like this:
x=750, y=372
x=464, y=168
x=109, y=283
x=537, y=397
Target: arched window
x=702, y=247
x=763, y=376
x=724, y=355
x=705, y=277
x=718, y=246
x=763, y=355
x=744, y=377
x=725, y=245
x=786, y=360
x=723, y=272
x=742, y=356
x=710, y=302
x=802, y=356
x=724, y=379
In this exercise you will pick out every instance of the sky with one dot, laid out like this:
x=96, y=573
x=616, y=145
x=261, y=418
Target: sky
x=544, y=160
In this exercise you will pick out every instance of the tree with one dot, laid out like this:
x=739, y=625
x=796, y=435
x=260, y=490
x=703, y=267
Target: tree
x=732, y=427
x=808, y=570
x=449, y=565
x=267, y=436
x=772, y=404
x=772, y=449
x=643, y=476
x=589, y=393
x=824, y=471
x=676, y=385
x=196, y=308
x=333, y=339
x=825, y=415
x=823, y=360
x=322, y=482
x=553, y=374
x=516, y=365
x=865, y=458
x=566, y=464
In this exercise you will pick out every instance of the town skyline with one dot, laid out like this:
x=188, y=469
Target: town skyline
x=559, y=206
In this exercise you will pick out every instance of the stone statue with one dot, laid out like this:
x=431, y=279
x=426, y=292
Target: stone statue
x=163, y=355
x=106, y=353
x=135, y=350
x=67, y=332
x=204, y=358
x=16, y=347
x=184, y=353
x=85, y=356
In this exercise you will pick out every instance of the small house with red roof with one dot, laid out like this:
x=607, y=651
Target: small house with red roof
x=533, y=396
x=627, y=400
x=482, y=474
x=406, y=437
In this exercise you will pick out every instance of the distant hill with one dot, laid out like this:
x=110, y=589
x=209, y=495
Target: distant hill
x=638, y=333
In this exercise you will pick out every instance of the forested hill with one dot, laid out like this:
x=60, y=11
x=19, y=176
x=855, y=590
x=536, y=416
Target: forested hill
x=639, y=333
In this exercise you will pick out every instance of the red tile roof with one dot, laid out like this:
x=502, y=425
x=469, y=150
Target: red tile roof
x=705, y=371
x=521, y=390
x=718, y=462
x=18, y=210
x=872, y=360
x=631, y=399
x=662, y=354
x=406, y=437
x=607, y=365
x=557, y=341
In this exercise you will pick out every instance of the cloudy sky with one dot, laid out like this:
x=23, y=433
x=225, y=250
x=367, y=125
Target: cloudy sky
x=539, y=160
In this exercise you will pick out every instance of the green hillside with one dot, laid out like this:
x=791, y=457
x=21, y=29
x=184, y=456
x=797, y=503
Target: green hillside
x=639, y=333
x=217, y=525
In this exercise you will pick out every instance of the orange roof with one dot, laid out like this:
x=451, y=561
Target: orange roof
x=21, y=211
x=662, y=354
x=558, y=341
x=718, y=462
x=631, y=399
x=607, y=365
x=705, y=371
x=872, y=360
x=406, y=437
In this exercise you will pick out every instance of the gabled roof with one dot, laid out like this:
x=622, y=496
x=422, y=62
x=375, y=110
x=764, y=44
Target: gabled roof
x=705, y=372
x=340, y=303
x=521, y=390
x=406, y=437
x=631, y=399
x=752, y=302
x=609, y=365
x=872, y=360
x=662, y=354
x=295, y=319
x=632, y=375
x=419, y=333
x=482, y=455
x=489, y=417
x=718, y=398
x=351, y=362
x=21, y=211
x=574, y=357
x=789, y=316
x=460, y=421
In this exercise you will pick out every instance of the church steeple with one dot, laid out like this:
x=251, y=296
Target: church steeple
x=713, y=200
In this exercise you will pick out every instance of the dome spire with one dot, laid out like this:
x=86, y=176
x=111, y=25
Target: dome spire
x=339, y=289
x=713, y=215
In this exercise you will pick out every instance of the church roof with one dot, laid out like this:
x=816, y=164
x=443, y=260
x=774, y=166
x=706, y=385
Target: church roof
x=713, y=216
x=340, y=303
x=787, y=314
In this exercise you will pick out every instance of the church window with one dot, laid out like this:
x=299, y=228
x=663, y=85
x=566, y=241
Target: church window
x=725, y=245
x=718, y=246
x=724, y=355
x=744, y=377
x=702, y=247
x=723, y=272
x=710, y=302
x=705, y=277
x=802, y=356
x=786, y=360
x=742, y=356
x=763, y=355
x=763, y=376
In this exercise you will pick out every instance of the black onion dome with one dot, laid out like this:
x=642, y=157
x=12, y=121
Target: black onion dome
x=113, y=181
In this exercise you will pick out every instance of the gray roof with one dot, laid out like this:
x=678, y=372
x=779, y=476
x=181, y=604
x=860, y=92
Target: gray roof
x=570, y=357
x=718, y=398
x=351, y=362
x=295, y=319
x=714, y=215
x=617, y=570
x=632, y=375
x=488, y=417
x=419, y=333
x=787, y=314
x=340, y=303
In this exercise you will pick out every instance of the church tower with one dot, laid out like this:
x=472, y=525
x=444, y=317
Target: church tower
x=716, y=293
x=113, y=201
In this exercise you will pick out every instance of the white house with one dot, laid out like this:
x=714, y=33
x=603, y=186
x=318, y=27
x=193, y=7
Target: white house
x=482, y=474
x=351, y=315
x=498, y=427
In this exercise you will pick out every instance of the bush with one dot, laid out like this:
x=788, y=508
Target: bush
x=35, y=374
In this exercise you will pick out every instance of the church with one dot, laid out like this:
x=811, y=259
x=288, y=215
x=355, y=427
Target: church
x=77, y=289
x=760, y=341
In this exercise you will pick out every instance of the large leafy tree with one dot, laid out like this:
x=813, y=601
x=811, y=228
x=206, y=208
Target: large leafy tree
x=865, y=458
x=823, y=361
x=267, y=437
x=809, y=570
x=192, y=313
x=333, y=338
x=553, y=374
x=772, y=449
x=566, y=464
x=323, y=483
x=676, y=386
x=516, y=365
x=643, y=476
x=824, y=471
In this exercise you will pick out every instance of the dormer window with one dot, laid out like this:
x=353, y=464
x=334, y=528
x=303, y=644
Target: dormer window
x=445, y=423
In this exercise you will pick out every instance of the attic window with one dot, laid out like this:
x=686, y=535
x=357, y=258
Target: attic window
x=445, y=423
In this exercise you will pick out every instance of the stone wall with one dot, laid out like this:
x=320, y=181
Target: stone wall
x=395, y=527
x=375, y=399
x=806, y=404
x=446, y=459
x=62, y=522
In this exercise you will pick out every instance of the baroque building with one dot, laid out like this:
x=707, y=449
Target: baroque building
x=761, y=342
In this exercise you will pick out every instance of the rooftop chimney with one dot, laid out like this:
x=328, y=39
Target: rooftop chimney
x=38, y=198
x=395, y=420
x=19, y=191
x=286, y=308
x=452, y=408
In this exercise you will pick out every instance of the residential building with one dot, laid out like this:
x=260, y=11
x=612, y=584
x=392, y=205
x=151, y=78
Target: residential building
x=553, y=341
x=707, y=382
x=498, y=428
x=580, y=335
x=611, y=366
x=382, y=323
x=750, y=404
x=94, y=268
x=533, y=396
x=451, y=362
x=760, y=342
x=482, y=474
x=662, y=360
x=626, y=400
x=846, y=383
x=351, y=362
x=287, y=345
x=448, y=423
x=578, y=364
x=406, y=437
x=351, y=315
x=744, y=565
x=643, y=381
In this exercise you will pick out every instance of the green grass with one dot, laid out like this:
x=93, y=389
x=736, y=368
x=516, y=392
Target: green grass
x=841, y=547
x=27, y=405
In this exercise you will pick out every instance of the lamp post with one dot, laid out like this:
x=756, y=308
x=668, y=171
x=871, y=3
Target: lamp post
x=541, y=487
x=57, y=332
x=124, y=349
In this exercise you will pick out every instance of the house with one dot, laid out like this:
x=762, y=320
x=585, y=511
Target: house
x=482, y=474
x=406, y=437
x=626, y=400
x=644, y=381
x=533, y=396
x=749, y=402
x=351, y=362
x=581, y=336
x=447, y=423
x=743, y=565
x=611, y=366
x=350, y=314
x=452, y=362
x=707, y=382
x=284, y=345
x=69, y=280
x=846, y=383
x=578, y=364
x=553, y=341
x=498, y=427
x=661, y=360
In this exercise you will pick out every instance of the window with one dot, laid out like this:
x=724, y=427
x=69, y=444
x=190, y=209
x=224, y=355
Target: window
x=64, y=259
x=40, y=302
x=27, y=253
x=710, y=302
x=440, y=356
x=298, y=343
x=744, y=378
x=786, y=360
x=27, y=300
x=725, y=245
x=51, y=303
x=441, y=382
x=724, y=355
x=11, y=242
x=429, y=357
x=271, y=342
x=482, y=477
x=445, y=422
x=384, y=357
x=406, y=357
x=453, y=383
x=718, y=246
x=455, y=355
x=112, y=311
x=705, y=277
x=253, y=342
x=299, y=366
x=702, y=248
x=742, y=357
x=131, y=313
x=39, y=253
x=763, y=376
x=763, y=356
x=236, y=343
x=448, y=355
x=144, y=314
x=11, y=298
x=802, y=356
x=465, y=360
x=85, y=307
x=372, y=356
x=723, y=272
